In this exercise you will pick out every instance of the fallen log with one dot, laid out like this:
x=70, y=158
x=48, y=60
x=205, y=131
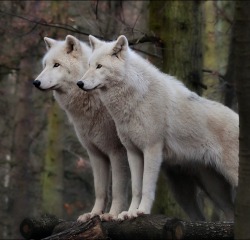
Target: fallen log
x=145, y=227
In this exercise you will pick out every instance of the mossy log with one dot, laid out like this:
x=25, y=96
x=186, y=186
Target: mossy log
x=144, y=227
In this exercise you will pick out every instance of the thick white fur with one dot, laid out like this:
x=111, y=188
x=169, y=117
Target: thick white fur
x=92, y=122
x=158, y=118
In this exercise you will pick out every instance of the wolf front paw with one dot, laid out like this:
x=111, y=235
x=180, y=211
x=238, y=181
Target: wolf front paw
x=107, y=217
x=86, y=217
x=130, y=214
x=124, y=215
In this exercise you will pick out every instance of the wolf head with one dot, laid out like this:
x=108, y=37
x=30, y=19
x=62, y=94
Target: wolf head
x=64, y=63
x=107, y=62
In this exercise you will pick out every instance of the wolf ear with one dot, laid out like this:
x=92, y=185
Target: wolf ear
x=121, y=46
x=94, y=42
x=72, y=44
x=49, y=42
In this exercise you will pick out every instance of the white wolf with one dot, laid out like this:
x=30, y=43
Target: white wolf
x=158, y=118
x=64, y=63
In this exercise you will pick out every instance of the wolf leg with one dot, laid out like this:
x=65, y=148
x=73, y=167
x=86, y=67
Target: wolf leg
x=100, y=166
x=135, y=160
x=120, y=179
x=152, y=164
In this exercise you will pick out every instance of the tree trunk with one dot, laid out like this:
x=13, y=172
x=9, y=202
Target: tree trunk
x=225, y=51
x=178, y=23
x=20, y=195
x=210, y=78
x=53, y=170
x=52, y=178
x=241, y=38
x=20, y=180
x=230, y=79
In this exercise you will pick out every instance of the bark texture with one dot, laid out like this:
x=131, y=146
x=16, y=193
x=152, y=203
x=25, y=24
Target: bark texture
x=241, y=38
x=152, y=227
x=178, y=24
x=53, y=166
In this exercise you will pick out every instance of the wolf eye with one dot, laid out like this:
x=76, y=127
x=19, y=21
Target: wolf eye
x=98, y=66
x=56, y=65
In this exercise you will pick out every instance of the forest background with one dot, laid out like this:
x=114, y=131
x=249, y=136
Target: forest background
x=43, y=167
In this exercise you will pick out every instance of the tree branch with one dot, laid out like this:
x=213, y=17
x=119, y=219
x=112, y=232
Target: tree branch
x=146, y=38
x=70, y=28
x=220, y=76
x=223, y=14
x=43, y=22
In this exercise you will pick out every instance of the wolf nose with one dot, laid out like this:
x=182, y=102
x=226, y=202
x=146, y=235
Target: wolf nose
x=37, y=83
x=80, y=84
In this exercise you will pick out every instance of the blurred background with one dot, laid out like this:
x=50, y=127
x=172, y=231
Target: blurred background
x=43, y=167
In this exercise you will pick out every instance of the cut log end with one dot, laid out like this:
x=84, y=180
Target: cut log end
x=31, y=228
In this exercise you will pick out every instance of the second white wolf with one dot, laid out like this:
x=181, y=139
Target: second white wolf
x=64, y=63
x=158, y=118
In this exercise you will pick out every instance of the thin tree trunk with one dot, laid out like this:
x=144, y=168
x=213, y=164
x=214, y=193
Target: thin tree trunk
x=230, y=78
x=53, y=170
x=210, y=56
x=229, y=93
x=52, y=177
x=21, y=172
x=216, y=38
x=241, y=38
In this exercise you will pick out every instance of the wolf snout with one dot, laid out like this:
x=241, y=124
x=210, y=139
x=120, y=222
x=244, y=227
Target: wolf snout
x=80, y=84
x=36, y=83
